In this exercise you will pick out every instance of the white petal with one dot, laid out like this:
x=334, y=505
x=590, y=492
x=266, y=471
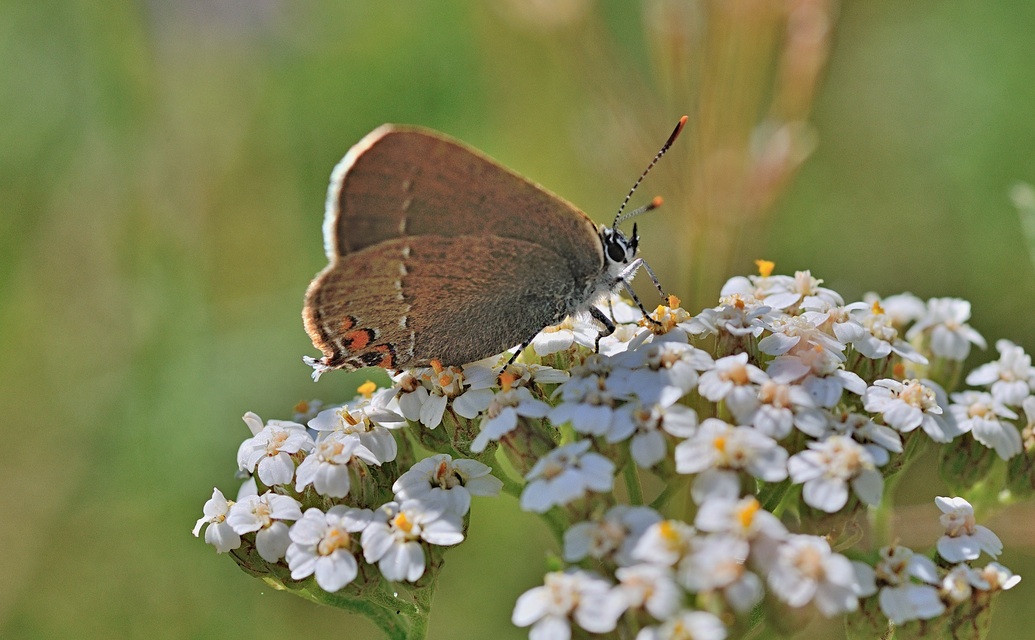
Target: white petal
x=335, y=571
x=826, y=494
x=869, y=487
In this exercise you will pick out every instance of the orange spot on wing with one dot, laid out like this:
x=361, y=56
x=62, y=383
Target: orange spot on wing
x=347, y=323
x=388, y=359
x=357, y=339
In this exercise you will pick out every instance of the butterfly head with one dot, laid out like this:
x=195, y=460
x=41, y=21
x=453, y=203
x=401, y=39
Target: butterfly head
x=619, y=249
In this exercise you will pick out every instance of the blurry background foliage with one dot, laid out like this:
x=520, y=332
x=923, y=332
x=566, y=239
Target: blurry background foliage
x=163, y=167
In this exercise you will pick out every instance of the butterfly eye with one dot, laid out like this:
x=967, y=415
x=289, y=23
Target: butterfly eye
x=616, y=250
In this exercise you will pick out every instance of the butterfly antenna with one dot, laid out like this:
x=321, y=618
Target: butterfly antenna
x=619, y=218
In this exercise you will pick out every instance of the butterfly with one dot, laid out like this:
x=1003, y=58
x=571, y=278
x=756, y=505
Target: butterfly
x=436, y=252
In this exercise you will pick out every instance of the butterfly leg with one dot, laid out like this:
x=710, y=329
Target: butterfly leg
x=609, y=326
x=636, y=299
x=654, y=279
x=625, y=279
x=520, y=349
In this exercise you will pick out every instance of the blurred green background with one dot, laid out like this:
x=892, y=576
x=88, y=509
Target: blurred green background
x=163, y=167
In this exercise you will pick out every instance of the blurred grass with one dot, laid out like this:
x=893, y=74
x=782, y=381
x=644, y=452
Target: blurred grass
x=162, y=175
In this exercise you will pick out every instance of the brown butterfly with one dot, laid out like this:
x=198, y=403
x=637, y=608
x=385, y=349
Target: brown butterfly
x=437, y=252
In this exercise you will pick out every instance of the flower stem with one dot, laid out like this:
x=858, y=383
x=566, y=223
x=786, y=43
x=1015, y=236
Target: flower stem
x=881, y=517
x=632, y=483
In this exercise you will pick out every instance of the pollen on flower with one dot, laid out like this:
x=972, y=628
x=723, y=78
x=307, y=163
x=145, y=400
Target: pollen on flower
x=673, y=302
x=810, y=562
x=774, y=394
x=446, y=477
x=765, y=267
x=263, y=513
x=344, y=414
x=876, y=309
x=899, y=370
x=302, y=407
x=719, y=443
x=402, y=523
x=737, y=375
x=275, y=442
x=507, y=380
x=917, y=395
x=437, y=366
x=958, y=524
x=746, y=514
x=668, y=532
x=367, y=389
x=553, y=469
x=978, y=409
x=334, y=540
x=736, y=301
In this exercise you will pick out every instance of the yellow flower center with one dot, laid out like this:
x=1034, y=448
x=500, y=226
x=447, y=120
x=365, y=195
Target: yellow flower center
x=765, y=267
x=738, y=374
x=367, y=389
x=746, y=513
x=334, y=540
x=402, y=523
x=979, y=410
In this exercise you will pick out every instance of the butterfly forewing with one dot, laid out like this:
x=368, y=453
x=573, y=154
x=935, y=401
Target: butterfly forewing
x=410, y=182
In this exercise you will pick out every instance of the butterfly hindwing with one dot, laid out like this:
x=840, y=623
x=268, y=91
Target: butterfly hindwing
x=455, y=299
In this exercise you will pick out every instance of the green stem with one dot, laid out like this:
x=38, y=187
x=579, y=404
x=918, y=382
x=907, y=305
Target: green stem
x=510, y=486
x=398, y=617
x=772, y=495
x=632, y=482
x=666, y=494
x=881, y=517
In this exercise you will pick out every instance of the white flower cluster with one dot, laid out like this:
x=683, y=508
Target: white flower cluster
x=321, y=465
x=910, y=586
x=780, y=392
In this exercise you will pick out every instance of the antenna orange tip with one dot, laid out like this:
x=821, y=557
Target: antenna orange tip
x=675, y=132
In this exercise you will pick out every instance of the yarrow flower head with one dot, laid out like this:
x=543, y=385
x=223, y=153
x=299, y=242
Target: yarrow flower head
x=987, y=420
x=901, y=598
x=577, y=596
x=827, y=469
x=269, y=451
x=964, y=539
x=219, y=533
x=718, y=450
x=327, y=468
x=503, y=413
x=368, y=420
x=807, y=571
x=265, y=516
x=424, y=393
x=911, y=404
x=443, y=484
x=782, y=385
x=392, y=537
x=1011, y=378
x=565, y=474
x=322, y=544
x=946, y=324
x=615, y=535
